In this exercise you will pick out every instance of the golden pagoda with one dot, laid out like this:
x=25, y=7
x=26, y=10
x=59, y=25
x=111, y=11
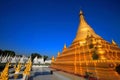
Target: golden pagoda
x=89, y=53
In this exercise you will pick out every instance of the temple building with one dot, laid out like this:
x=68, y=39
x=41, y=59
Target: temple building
x=89, y=53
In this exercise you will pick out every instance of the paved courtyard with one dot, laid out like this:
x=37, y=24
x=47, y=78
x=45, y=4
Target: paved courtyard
x=43, y=73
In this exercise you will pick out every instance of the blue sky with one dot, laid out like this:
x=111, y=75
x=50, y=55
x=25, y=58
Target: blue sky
x=43, y=26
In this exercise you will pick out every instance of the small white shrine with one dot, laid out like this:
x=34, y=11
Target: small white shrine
x=37, y=60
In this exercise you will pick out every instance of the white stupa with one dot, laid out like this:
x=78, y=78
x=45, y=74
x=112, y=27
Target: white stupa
x=41, y=60
x=14, y=60
x=22, y=59
x=35, y=60
x=48, y=61
x=4, y=59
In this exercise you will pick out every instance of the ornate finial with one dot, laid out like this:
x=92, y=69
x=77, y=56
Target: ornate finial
x=65, y=46
x=58, y=53
x=81, y=12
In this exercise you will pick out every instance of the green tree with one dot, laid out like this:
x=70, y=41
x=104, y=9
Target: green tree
x=9, y=52
x=45, y=57
x=1, y=52
x=19, y=55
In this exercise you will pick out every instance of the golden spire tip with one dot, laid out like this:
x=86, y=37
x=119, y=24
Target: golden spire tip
x=81, y=12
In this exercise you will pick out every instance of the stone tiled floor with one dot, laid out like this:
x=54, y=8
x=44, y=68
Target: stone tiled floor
x=43, y=73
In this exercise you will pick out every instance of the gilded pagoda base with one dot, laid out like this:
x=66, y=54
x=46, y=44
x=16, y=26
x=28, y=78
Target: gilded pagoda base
x=100, y=69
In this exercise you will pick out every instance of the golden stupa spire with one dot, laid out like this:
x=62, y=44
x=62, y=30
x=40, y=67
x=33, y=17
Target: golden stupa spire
x=84, y=29
x=65, y=46
x=113, y=42
x=53, y=59
x=58, y=54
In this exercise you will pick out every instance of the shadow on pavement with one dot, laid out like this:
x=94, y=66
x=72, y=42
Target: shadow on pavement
x=17, y=76
x=40, y=74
